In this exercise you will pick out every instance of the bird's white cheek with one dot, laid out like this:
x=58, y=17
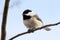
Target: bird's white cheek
x=31, y=14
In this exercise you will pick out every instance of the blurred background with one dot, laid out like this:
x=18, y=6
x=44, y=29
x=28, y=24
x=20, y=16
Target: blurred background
x=47, y=10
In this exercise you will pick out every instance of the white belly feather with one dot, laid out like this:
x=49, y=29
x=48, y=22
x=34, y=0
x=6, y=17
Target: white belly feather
x=33, y=23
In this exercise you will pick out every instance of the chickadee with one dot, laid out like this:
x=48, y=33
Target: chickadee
x=32, y=21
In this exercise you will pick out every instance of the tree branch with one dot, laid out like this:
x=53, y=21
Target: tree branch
x=3, y=27
x=34, y=30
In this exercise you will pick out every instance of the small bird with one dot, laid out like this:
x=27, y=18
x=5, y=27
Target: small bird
x=32, y=21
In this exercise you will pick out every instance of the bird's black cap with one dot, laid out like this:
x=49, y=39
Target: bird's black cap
x=27, y=11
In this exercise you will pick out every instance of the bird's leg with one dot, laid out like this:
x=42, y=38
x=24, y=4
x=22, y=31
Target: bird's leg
x=30, y=30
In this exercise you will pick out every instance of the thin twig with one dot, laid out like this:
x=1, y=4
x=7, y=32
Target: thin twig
x=34, y=30
x=3, y=27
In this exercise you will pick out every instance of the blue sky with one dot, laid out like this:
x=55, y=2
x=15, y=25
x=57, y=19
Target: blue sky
x=47, y=10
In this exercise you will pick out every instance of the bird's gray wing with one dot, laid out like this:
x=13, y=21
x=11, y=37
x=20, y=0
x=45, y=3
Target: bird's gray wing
x=38, y=18
x=47, y=29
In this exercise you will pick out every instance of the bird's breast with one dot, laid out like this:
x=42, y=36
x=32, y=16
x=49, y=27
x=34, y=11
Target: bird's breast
x=32, y=23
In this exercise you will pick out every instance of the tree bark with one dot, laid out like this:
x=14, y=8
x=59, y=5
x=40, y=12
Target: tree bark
x=4, y=19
